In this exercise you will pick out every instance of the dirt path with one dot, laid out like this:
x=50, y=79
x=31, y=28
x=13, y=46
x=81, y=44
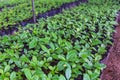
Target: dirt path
x=112, y=72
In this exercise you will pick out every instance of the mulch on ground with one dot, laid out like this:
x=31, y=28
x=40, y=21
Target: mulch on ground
x=112, y=61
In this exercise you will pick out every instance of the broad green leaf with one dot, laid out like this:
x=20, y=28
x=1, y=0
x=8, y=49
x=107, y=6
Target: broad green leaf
x=49, y=59
x=24, y=58
x=52, y=46
x=61, y=57
x=6, y=78
x=55, y=77
x=86, y=77
x=18, y=63
x=96, y=42
x=99, y=65
x=54, y=35
x=13, y=76
x=61, y=65
x=68, y=45
x=50, y=75
x=1, y=71
x=34, y=59
x=68, y=73
x=102, y=49
x=84, y=54
x=28, y=74
x=87, y=66
x=62, y=77
x=72, y=55
x=33, y=43
x=44, y=48
x=94, y=76
x=7, y=68
x=35, y=77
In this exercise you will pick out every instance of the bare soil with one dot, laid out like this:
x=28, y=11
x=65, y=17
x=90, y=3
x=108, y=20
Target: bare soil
x=112, y=61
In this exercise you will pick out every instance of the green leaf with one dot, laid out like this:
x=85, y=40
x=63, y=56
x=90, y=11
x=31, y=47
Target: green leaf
x=35, y=77
x=50, y=75
x=61, y=65
x=28, y=73
x=68, y=73
x=61, y=57
x=13, y=76
x=99, y=65
x=55, y=77
x=7, y=68
x=49, y=59
x=87, y=66
x=18, y=63
x=72, y=55
x=86, y=77
x=96, y=42
x=83, y=54
x=6, y=78
x=34, y=59
x=24, y=58
x=62, y=77
x=54, y=35
x=97, y=57
x=44, y=48
x=33, y=43
x=94, y=76
x=68, y=45
x=113, y=22
x=52, y=46
x=1, y=71
x=102, y=49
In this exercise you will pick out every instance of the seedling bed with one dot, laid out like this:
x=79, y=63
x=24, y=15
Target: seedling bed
x=49, y=13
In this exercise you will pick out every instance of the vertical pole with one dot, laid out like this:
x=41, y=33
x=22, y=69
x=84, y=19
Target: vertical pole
x=33, y=11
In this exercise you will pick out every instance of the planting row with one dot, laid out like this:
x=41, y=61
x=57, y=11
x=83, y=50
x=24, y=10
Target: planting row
x=23, y=11
x=67, y=46
x=9, y=3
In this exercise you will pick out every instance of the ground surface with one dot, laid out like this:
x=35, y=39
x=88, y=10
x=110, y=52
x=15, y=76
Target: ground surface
x=112, y=61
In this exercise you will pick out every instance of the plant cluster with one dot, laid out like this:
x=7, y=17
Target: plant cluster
x=22, y=12
x=63, y=47
x=9, y=3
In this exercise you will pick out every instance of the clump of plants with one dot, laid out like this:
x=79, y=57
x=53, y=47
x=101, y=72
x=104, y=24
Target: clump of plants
x=67, y=46
x=18, y=13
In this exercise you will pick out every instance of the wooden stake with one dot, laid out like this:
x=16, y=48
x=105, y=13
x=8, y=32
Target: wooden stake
x=33, y=11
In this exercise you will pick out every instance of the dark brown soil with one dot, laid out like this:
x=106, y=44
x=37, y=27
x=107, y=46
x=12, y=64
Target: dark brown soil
x=112, y=61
